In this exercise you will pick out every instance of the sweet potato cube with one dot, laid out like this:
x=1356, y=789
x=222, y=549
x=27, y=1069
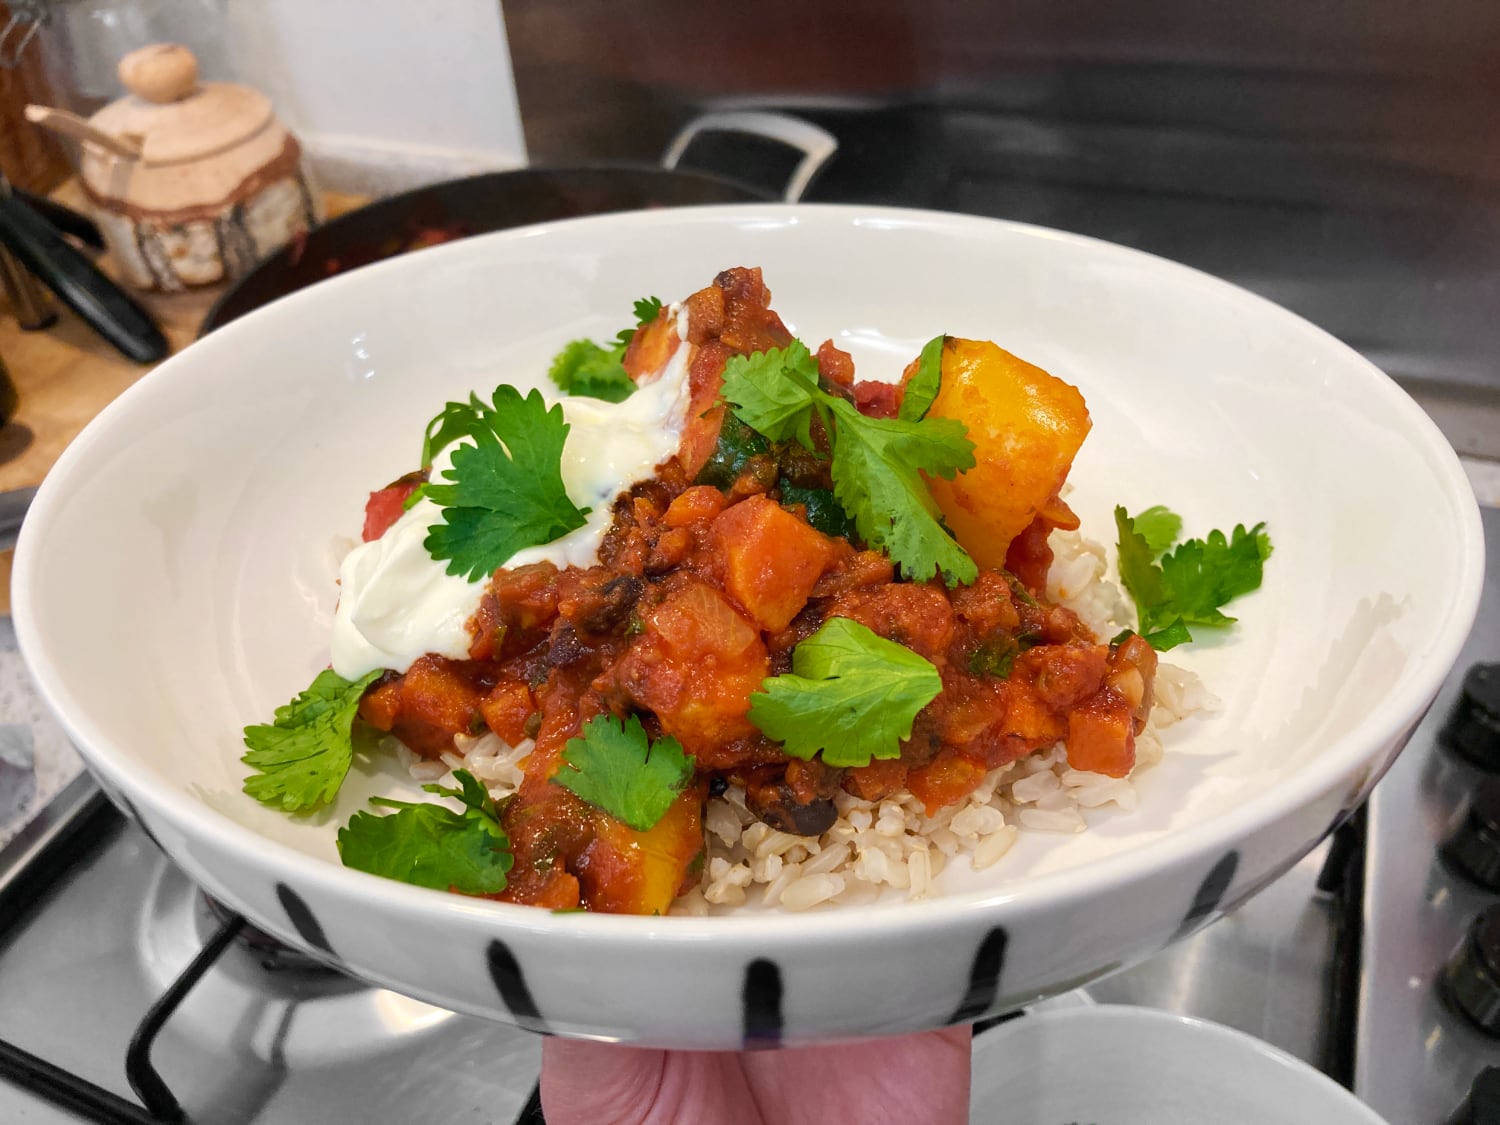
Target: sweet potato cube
x=506, y=708
x=772, y=559
x=623, y=871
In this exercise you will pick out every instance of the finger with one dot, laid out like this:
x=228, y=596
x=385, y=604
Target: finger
x=598, y=1083
x=923, y=1077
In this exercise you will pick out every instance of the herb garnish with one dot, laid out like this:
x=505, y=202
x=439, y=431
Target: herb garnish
x=1188, y=585
x=851, y=694
x=877, y=463
x=595, y=371
x=431, y=845
x=505, y=491
x=614, y=766
x=925, y=384
x=304, y=754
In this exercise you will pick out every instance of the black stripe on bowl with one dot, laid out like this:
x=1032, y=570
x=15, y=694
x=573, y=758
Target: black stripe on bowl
x=510, y=982
x=1210, y=893
x=760, y=998
x=984, y=977
x=307, y=926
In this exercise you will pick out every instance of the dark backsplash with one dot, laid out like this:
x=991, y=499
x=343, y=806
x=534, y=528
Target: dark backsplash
x=1415, y=84
x=1341, y=157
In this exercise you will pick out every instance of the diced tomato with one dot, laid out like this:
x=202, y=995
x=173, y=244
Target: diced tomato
x=877, y=400
x=835, y=364
x=385, y=507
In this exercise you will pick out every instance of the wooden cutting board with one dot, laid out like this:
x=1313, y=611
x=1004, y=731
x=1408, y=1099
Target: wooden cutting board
x=65, y=375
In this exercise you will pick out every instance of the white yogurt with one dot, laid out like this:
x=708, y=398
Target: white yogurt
x=397, y=603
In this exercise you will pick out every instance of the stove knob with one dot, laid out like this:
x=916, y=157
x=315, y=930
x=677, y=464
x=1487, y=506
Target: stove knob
x=1471, y=979
x=1482, y=1106
x=1473, y=850
x=1473, y=728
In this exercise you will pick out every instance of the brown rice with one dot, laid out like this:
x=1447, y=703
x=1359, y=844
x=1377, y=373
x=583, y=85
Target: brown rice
x=880, y=847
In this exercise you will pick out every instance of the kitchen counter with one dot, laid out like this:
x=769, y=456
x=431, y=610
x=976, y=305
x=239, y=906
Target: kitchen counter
x=66, y=374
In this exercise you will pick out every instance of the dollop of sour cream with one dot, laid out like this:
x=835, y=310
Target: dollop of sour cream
x=398, y=603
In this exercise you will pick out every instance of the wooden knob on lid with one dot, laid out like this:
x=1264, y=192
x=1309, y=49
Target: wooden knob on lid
x=161, y=73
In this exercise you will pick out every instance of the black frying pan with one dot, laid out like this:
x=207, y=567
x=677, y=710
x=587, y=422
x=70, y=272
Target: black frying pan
x=498, y=200
x=460, y=208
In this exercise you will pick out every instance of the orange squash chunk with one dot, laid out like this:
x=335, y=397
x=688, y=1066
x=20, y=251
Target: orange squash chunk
x=772, y=560
x=1026, y=426
x=623, y=871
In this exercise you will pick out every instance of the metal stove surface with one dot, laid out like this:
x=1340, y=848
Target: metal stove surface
x=285, y=1047
x=1415, y=1058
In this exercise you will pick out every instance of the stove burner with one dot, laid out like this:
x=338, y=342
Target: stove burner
x=274, y=955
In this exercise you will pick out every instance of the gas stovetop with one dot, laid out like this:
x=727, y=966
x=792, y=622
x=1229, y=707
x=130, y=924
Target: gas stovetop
x=126, y=996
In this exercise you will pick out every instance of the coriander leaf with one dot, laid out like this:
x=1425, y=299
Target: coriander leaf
x=877, y=476
x=646, y=310
x=1201, y=575
x=615, y=767
x=925, y=384
x=851, y=694
x=1192, y=582
x=305, y=752
x=1139, y=573
x=505, y=492
x=1173, y=635
x=1160, y=527
x=431, y=845
x=877, y=463
x=775, y=392
x=595, y=371
x=585, y=368
x=455, y=421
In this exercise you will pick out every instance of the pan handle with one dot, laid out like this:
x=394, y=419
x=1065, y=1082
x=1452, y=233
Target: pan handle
x=814, y=142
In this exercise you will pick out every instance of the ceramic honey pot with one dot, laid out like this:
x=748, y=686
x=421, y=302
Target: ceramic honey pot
x=191, y=182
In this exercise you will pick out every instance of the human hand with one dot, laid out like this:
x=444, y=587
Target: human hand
x=913, y=1078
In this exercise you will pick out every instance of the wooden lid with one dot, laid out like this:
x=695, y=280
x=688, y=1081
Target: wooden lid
x=175, y=117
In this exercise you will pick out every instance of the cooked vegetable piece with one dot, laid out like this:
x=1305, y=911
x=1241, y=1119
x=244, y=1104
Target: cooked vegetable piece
x=851, y=694
x=879, y=465
x=505, y=492
x=614, y=766
x=303, y=755
x=627, y=871
x=431, y=845
x=1026, y=427
x=772, y=560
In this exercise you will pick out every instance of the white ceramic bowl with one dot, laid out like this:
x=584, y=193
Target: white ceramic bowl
x=175, y=581
x=1118, y=1065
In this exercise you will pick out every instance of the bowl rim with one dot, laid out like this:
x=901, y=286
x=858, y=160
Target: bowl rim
x=1394, y=714
x=1127, y=1017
